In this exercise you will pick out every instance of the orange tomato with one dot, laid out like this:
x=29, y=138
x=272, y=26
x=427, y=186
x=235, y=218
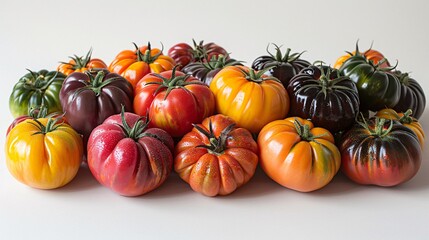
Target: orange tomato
x=81, y=64
x=405, y=119
x=298, y=156
x=134, y=65
x=370, y=54
x=250, y=98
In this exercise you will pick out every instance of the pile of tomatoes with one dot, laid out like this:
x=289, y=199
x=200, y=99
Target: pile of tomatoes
x=212, y=120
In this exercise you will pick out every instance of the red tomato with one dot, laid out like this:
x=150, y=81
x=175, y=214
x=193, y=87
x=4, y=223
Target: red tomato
x=173, y=101
x=128, y=157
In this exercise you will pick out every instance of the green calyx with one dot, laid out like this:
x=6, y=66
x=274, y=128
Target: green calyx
x=146, y=56
x=219, y=62
x=258, y=76
x=199, y=52
x=80, y=62
x=304, y=131
x=173, y=82
x=38, y=111
x=286, y=57
x=407, y=118
x=138, y=130
x=37, y=81
x=51, y=126
x=217, y=145
x=378, y=130
x=97, y=82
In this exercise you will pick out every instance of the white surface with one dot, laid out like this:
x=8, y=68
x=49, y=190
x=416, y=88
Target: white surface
x=37, y=35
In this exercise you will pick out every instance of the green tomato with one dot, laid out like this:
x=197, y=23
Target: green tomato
x=378, y=88
x=35, y=89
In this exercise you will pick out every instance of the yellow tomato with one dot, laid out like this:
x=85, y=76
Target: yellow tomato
x=249, y=98
x=43, y=154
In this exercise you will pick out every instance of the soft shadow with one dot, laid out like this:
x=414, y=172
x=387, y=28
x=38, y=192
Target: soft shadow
x=174, y=186
x=340, y=185
x=83, y=181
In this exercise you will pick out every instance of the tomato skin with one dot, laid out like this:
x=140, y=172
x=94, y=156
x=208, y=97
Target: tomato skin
x=134, y=65
x=330, y=101
x=36, y=89
x=380, y=160
x=81, y=64
x=370, y=54
x=406, y=120
x=216, y=173
x=294, y=162
x=130, y=167
x=175, y=112
x=251, y=104
x=44, y=161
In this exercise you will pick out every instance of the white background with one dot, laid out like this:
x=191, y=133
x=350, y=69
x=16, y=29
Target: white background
x=36, y=35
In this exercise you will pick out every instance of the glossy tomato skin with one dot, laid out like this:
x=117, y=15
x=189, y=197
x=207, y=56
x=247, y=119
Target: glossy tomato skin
x=184, y=54
x=130, y=167
x=89, y=98
x=36, y=89
x=328, y=100
x=44, y=161
x=412, y=95
x=173, y=110
x=81, y=64
x=251, y=104
x=406, y=119
x=370, y=54
x=134, y=65
x=295, y=162
x=214, y=173
x=378, y=88
x=380, y=160
x=282, y=67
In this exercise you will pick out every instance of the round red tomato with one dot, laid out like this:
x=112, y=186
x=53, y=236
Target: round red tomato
x=129, y=158
x=173, y=101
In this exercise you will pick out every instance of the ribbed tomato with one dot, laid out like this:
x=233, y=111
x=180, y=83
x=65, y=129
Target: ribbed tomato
x=216, y=157
x=297, y=155
x=371, y=54
x=250, y=98
x=81, y=64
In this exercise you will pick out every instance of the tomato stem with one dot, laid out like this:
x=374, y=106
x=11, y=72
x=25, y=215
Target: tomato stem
x=51, y=125
x=137, y=131
x=217, y=145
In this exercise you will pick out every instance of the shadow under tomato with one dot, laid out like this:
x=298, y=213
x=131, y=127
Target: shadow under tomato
x=83, y=181
x=174, y=186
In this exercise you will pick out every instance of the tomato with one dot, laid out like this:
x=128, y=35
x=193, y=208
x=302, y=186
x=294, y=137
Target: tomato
x=412, y=95
x=134, y=65
x=405, y=119
x=216, y=157
x=35, y=113
x=81, y=64
x=380, y=152
x=250, y=98
x=42, y=153
x=184, y=54
x=91, y=97
x=35, y=89
x=328, y=100
x=205, y=71
x=284, y=66
x=173, y=101
x=128, y=157
x=371, y=54
x=378, y=87
x=297, y=155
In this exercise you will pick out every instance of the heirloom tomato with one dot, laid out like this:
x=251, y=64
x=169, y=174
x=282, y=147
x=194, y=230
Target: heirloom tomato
x=330, y=101
x=184, y=54
x=380, y=152
x=297, y=155
x=81, y=64
x=250, y=98
x=370, y=54
x=405, y=119
x=411, y=97
x=35, y=89
x=173, y=101
x=42, y=153
x=134, y=65
x=205, y=71
x=378, y=87
x=89, y=98
x=128, y=157
x=216, y=157
x=283, y=67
